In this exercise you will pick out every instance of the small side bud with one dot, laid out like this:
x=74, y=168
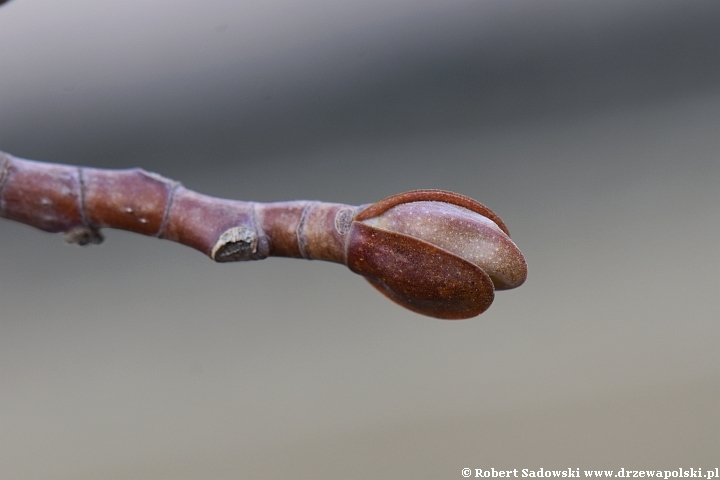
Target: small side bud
x=84, y=236
x=235, y=245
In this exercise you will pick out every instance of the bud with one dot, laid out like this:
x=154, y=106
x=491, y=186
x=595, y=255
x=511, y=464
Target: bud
x=437, y=253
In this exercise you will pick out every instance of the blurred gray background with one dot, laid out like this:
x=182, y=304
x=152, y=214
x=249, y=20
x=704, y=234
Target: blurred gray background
x=592, y=128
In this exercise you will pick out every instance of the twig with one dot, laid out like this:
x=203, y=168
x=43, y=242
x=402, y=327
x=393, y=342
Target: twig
x=437, y=253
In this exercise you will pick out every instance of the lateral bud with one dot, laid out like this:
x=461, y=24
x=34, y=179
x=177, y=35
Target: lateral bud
x=235, y=245
x=83, y=235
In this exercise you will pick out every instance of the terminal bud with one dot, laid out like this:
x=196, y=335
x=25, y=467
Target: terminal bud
x=436, y=253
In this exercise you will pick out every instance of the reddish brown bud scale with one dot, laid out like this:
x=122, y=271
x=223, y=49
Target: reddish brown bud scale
x=382, y=206
x=462, y=232
x=435, y=252
x=418, y=275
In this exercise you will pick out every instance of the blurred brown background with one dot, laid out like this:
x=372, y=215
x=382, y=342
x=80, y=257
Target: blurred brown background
x=592, y=128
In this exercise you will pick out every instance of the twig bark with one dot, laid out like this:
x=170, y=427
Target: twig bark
x=437, y=253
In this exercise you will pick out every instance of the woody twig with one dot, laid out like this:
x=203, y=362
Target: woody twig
x=437, y=253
